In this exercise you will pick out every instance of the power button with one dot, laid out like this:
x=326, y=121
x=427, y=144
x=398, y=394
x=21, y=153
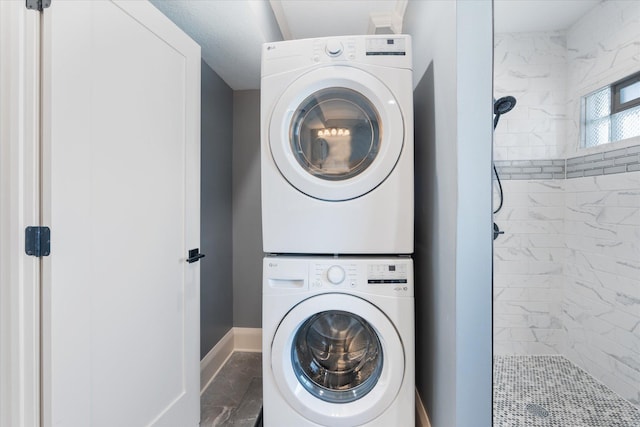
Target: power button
x=333, y=48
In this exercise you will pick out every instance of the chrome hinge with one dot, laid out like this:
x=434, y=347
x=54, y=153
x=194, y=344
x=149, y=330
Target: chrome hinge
x=38, y=5
x=37, y=241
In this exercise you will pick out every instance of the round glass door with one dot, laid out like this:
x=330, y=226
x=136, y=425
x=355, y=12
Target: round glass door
x=337, y=356
x=335, y=133
x=337, y=360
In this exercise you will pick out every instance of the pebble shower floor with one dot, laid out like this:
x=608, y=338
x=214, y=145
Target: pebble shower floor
x=550, y=391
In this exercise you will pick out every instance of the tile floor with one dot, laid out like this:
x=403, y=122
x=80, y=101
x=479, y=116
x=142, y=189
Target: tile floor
x=234, y=397
x=529, y=391
x=550, y=391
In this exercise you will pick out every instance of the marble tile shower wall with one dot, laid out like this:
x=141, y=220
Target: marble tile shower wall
x=588, y=309
x=529, y=154
x=533, y=68
x=601, y=292
x=527, y=269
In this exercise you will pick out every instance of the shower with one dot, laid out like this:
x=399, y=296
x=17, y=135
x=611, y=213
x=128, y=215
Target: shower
x=500, y=107
x=566, y=313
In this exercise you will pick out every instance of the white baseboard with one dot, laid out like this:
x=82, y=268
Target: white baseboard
x=213, y=361
x=237, y=339
x=422, y=420
x=247, y=339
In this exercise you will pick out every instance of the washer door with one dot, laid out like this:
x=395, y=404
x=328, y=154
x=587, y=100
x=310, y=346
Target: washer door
x=336, y=133
x=337, y=360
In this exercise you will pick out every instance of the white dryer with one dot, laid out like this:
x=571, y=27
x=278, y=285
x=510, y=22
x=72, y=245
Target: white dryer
x=338, y=342
x=337, y=145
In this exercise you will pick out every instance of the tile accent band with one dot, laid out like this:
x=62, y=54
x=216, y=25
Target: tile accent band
x=608, y=162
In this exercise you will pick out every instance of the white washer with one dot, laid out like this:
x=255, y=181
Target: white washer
x=338, y=342
x=337, y=145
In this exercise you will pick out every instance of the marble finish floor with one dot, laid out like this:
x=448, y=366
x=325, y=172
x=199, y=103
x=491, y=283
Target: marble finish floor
x=550, y=391
x=234, y=396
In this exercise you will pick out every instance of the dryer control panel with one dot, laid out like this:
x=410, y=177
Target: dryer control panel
x=386, y=46
x=387, y=50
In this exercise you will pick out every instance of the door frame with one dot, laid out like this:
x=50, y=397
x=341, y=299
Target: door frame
x=20, y=207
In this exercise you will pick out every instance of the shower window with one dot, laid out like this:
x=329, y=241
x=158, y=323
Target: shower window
x=612, y=113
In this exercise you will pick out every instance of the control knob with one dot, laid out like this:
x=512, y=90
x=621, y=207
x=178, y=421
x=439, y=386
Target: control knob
x=333, y=48
x=335, y=274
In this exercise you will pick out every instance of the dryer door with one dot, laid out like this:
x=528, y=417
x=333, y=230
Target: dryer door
x=338, y=360
x=336, y=133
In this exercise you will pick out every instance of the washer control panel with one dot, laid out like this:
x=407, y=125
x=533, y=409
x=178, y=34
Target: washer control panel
x=381, y=274
x=334, y=275
x=386, y=276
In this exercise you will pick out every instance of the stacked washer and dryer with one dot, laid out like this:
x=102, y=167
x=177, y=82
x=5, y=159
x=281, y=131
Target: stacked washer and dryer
x=337, y=220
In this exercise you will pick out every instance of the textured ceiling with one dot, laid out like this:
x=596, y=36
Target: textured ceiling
x=517, y=16
x=300, y=19
x=231, y=32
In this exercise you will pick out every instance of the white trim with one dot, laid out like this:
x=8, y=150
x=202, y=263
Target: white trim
x=19, y=186
x=237, y=339
x=422, y=419
x=281, y=18
x=213, y=361
x=391, y=20
x=401, y=8
x=380, y=20
x=247, y=339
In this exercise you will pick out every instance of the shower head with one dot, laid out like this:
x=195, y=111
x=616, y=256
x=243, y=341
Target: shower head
x=504, y=105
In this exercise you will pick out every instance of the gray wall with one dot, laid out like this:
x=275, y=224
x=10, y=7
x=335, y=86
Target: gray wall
x=247, y=222
x=453, y=64
x=216, y=286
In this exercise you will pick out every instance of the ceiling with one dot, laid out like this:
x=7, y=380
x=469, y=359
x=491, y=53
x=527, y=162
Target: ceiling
x=231, y=32
x=518, y=16
x=300, y=19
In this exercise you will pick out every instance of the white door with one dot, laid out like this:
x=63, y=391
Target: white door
x=121, y=171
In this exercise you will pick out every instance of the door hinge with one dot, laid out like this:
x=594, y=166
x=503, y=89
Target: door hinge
x=38, y=5
x=37, y=241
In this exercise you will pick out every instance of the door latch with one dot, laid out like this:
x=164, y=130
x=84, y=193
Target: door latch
x=194, y=255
